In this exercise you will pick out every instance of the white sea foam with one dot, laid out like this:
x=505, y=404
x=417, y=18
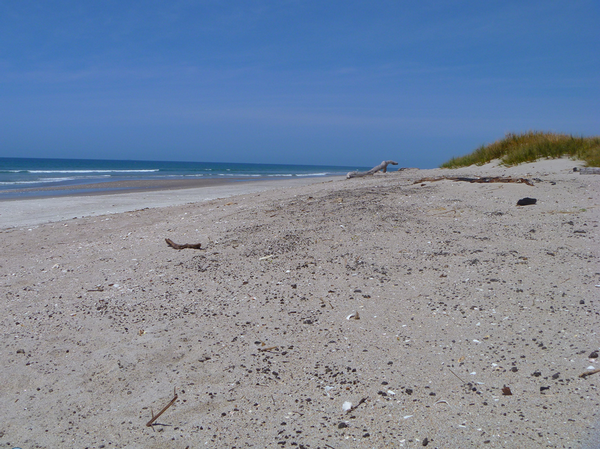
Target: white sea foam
x=92, y=171
x=38, y=181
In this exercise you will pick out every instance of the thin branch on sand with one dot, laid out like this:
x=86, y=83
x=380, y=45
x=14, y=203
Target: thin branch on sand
x=354, y=407
x=589, y=373
x=174, y=245
x=155, y=417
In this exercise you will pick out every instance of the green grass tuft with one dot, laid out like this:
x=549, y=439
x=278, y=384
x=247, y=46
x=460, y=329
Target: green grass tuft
x=516, y=149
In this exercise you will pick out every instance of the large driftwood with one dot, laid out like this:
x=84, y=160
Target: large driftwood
x=382, y=167
x=485, y=180
x=590, y=171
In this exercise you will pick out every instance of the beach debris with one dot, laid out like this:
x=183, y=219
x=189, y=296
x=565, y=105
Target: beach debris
x=589, y=373
x=589, y=171
x=174, y=245
x=266, y=257
x=484, y=180
x=155, y=417
x=526, y=201
x=506, y=391
x=348, y=407
x=381, y=167
x=455, y=375
x=270, y=348
x=99, y=288
x=353, y=316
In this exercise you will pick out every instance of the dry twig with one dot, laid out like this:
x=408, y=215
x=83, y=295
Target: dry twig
x=174, y=245
x=457, y=376
x=155, y=417
x=270, y=348
x=354, y=407
x=589, y=373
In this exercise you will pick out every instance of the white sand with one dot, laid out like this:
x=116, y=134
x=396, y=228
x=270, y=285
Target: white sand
x=459, y=294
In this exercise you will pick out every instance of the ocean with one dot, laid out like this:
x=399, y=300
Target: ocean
x=27, y=177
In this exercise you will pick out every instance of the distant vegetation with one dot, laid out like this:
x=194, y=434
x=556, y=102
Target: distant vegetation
x=528, y=147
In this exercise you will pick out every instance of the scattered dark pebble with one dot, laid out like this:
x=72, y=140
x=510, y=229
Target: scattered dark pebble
x=514, y=369
x=408, y=391
x=20, y=351
x=536, y=374
x=581, y=301
x=555, y=376
x=526, y=201
x=594, y=355
x=542, y=389
x=425, y=441
x=342, y=425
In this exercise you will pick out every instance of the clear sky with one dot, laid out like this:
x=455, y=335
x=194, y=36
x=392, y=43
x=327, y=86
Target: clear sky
x=300, y=82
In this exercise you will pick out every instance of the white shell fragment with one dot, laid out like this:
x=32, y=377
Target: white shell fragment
x=347, y=406
x=353, y=316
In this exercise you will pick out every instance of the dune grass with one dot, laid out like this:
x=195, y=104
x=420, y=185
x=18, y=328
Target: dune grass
x=515, y=149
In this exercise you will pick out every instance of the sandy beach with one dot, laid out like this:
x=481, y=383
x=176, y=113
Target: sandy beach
x=396, y=310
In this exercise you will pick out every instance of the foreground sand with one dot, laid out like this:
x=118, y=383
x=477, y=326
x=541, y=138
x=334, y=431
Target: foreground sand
x=459, y=293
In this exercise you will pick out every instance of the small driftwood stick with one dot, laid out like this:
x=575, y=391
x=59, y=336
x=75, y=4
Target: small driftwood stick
x=456, y=375
x=174, y=245
x=589, y=373
x=354, y=407
x=270, y=348
x=360, y=174
x=155, y=417
x=485, y=180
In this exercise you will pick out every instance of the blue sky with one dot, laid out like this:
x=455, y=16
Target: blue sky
x=284, y=81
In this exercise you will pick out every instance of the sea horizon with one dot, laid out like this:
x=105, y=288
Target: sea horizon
x=34, y=177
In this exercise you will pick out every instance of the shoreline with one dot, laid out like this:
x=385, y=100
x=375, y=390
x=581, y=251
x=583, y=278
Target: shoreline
x=135, y=195
x=130, y=186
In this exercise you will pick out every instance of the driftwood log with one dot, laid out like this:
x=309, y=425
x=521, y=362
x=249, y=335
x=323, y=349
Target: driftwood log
x=478, y=180
x=174, y=245
x=590, y=171
x=360, y=174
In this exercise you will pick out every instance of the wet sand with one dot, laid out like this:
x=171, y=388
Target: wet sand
x=130, y=196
